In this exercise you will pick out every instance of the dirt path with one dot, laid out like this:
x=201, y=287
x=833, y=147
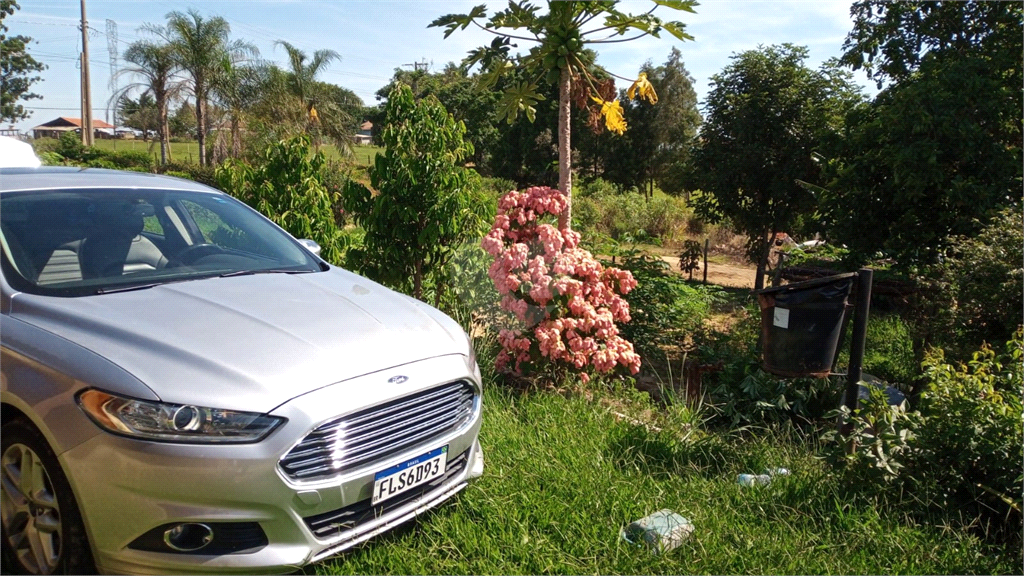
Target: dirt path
x=721, y=274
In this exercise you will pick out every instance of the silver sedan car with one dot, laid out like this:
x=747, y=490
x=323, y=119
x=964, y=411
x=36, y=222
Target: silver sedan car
x=186, y=388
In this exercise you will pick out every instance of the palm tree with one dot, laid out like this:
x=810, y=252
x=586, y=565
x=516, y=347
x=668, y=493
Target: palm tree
x=155, y=66
x=200, y=46
x=237, y=88
x=302, y=76
x=321, y=113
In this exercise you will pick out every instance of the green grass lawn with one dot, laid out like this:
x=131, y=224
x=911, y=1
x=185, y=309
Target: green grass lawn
x=362, y=155
x=187, y=152
x=563, y=476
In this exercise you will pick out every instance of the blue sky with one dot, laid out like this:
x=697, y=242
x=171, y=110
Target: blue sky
x=376, y=36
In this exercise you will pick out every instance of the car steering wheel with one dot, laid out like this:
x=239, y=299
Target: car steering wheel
x=197, y=251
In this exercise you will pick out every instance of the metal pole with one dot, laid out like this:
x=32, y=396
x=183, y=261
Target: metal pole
x=859, y=337
x=87, y=134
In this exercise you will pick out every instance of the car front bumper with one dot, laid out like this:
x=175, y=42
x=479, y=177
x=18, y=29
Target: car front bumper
x=126, y=487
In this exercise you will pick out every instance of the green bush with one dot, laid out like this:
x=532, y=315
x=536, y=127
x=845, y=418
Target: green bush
x=743, y=394
x=68, y=150
x=988, y=279
x=125, y=159
x=202, y=174
x=70, y=146
x=287, y=186
x=960, y=456
x=975, y=294
x=882, y=436
x=423, y=207
x=594, y=187
x=664, y=309
x=972, y=441
x=51, y=159
x=689, y=257
x=629, y=216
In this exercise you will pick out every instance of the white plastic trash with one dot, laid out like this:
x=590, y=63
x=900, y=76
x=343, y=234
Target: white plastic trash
x=661, y=531
x=753, y=479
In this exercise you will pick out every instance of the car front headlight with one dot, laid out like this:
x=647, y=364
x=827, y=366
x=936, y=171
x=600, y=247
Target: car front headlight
x=183, y=423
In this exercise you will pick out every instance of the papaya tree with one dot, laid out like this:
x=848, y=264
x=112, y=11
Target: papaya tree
x=560, y=55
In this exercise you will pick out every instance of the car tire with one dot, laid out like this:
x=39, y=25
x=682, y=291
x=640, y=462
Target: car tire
x=42, y=528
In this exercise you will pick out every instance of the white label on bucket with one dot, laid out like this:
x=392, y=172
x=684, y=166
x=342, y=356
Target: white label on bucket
x=781, y=317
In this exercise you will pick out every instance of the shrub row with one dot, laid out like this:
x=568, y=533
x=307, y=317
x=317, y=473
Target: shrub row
x=597, y=208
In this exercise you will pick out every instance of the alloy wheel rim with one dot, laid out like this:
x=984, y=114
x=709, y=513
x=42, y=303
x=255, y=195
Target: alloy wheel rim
x=30, y=513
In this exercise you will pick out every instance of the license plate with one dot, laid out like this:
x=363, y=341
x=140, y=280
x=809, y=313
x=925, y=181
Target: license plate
x=409, y=474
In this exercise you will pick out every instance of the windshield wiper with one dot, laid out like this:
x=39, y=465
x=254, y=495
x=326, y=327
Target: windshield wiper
x=233, y=273
x=262, y=271
x=132, y=287
x=127, y=288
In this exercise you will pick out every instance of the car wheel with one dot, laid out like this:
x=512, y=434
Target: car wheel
x=43, y=531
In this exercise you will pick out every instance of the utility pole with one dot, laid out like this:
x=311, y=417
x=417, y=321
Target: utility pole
x=421, y=66
x=87, y=134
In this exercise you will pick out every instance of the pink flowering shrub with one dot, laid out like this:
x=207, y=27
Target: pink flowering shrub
x=565, y=303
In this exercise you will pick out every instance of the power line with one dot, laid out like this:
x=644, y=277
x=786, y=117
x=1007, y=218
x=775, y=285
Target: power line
x=75, y=108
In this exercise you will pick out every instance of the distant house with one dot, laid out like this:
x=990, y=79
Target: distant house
x=365, y=134
x=54, y=128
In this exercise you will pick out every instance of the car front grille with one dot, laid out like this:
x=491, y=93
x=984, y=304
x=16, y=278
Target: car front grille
x=355, y=515
x=378, y=433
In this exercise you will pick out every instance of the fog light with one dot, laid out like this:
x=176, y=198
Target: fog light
x=188, y=537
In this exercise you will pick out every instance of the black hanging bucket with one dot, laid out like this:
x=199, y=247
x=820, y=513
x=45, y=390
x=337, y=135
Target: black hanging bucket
x=802, y=323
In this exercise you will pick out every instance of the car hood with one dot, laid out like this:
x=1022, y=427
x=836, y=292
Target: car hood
x=251, y=342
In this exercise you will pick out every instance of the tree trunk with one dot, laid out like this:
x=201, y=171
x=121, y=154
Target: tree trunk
x=236, y=137
x=201, y=122
x=759, y=279
x=762, y=261
x=565, y=148
x=164, y=130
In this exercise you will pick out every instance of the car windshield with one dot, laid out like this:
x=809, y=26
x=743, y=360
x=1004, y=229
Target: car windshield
x=94, y=241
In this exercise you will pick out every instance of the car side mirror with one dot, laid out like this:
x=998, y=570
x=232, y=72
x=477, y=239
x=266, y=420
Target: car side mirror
x=310, y=245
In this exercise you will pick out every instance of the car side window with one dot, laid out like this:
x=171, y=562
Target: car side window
x=217, y=231
x=152, y=225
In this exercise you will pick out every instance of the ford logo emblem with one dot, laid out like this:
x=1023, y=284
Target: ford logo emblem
x=397, y=379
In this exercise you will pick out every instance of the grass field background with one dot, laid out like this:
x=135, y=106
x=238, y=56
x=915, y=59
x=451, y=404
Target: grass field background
x=189, y=151
x=564, y=475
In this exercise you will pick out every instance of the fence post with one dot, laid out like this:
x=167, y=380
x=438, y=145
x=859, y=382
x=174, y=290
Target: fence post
x=858, y=340
x=707, y=243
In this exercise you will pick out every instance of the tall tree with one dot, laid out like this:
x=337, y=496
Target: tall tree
x=659, y=137
x=140, y=114
x=764, y=117
x=236, y=89
x=678, y=122
x=466, y=99
x=17, y=69
x=938, y=152
x=303, y=71
x=182, y=122
x=200, y=46
x=154, y=66
x=893, y=40
x=321, y=113
x=560, y=37
x=424, y=207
